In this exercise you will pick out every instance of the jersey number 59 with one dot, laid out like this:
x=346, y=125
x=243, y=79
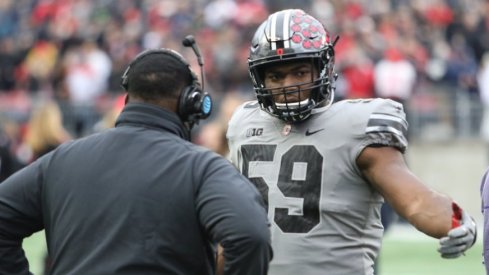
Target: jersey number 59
x=307, y=188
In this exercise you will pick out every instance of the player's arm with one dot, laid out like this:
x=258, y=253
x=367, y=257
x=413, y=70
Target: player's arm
x=386, y=170
x=429, y=211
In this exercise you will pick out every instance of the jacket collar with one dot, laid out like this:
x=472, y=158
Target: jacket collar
x=149, y=115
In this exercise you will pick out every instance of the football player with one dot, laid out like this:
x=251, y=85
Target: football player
x=325, y=169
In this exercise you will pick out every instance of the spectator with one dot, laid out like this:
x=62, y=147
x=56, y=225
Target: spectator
x=9, y=163
x=10, y=60
x=87, y=76
x=44, y=131
x=395, y=77
x=40, y=64
x=122, y=28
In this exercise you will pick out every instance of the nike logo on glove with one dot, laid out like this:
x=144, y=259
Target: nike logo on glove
x=313, y=132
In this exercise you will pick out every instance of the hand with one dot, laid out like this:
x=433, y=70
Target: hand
x=220, y=260
x=459, y=238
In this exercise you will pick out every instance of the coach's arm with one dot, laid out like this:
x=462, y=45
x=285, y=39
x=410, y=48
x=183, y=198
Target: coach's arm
x=20, y=217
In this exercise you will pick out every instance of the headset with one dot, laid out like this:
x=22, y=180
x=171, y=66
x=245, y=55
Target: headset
x=194, y=103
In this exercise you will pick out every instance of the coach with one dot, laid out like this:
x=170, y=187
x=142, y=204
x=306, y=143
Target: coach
x=138, y=198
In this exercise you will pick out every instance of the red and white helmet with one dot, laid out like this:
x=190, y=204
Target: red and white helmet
x=290, y=35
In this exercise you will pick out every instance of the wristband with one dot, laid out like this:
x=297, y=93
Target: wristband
x=456, y=216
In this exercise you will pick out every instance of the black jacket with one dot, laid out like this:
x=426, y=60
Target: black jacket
x=135, y=199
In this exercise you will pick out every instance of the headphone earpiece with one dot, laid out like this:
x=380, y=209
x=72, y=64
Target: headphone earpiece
x=194, y=104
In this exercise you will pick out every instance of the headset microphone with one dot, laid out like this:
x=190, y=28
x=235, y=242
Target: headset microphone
x=200, y=101
x=189, y=41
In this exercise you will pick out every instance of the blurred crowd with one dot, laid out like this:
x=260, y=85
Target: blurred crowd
x=70, y=54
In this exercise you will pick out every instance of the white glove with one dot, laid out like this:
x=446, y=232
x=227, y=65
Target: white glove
x=461, y=237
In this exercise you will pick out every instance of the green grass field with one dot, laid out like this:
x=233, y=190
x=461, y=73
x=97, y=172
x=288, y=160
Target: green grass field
x=405, y=252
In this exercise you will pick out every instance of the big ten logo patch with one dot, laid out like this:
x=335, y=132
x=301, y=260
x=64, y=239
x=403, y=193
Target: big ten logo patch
x=254, y=132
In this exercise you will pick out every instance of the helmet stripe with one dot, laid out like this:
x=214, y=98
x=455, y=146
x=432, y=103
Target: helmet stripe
x=273, y=31
x=279, y=28
x=286, y=29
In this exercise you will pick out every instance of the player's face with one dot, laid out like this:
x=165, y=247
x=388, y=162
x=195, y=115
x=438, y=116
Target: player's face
x=290, y=78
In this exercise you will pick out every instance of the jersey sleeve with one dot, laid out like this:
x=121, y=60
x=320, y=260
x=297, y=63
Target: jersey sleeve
x=384, y=125
x=387, y=125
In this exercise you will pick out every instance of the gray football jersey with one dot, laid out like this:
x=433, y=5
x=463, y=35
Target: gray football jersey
x=325, y=217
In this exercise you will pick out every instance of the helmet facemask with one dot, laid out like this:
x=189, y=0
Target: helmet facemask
x=298, y=99
x=305, y=41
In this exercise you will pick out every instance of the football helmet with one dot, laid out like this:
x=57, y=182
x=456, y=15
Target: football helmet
x=292, y=35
